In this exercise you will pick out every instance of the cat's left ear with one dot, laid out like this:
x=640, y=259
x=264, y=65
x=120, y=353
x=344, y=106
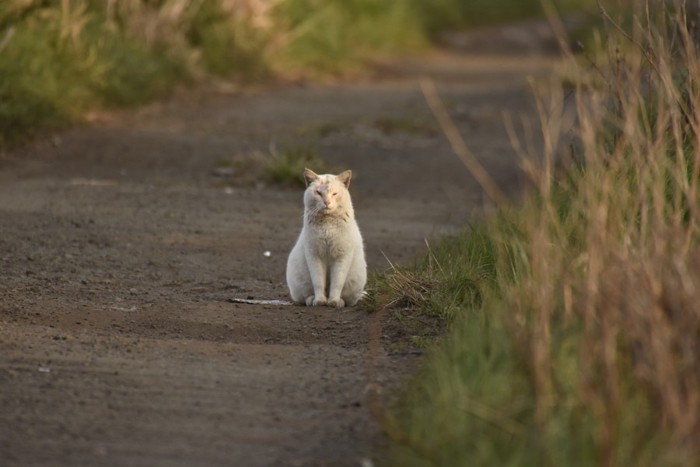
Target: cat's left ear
x=345, y=177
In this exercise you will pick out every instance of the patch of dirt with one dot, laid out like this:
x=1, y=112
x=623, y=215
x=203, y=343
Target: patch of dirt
x=119, y=250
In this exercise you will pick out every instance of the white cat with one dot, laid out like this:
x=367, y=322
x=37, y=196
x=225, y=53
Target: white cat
x=327, y=264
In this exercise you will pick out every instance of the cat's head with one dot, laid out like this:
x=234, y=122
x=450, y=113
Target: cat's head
x=327, y=193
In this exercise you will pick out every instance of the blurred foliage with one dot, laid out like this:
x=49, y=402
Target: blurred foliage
x=59, y=59
x=228, y=44
x=334, y=35
x=287, y=166
x=56, y=63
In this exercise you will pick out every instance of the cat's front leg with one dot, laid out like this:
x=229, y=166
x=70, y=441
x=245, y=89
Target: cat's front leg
x=317, y=270
x=339, y=274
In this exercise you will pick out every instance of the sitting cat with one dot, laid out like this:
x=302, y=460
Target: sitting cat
x=327, y=264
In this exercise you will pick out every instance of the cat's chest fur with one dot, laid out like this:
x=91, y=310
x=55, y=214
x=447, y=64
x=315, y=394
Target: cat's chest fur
x=330, y=238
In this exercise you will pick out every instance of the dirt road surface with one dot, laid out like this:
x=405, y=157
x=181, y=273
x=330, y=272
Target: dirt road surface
x=121, y=244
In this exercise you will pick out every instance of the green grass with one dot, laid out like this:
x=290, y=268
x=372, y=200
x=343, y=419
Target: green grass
x=456, y=274
x=475, y=401
x=481, y=398
x=573, y=336
x=229, y=45
x=59, y=64
x=334, y=36
x=61, y=59
x=287, y=166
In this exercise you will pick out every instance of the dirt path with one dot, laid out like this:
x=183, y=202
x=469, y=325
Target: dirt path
x=119, y=250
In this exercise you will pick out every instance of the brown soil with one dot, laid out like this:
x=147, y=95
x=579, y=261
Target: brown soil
x=120, y=248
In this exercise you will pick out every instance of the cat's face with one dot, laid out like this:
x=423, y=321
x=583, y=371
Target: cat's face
x=326, y=193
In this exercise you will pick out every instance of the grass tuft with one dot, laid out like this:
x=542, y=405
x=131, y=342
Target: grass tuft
x=459, y=272
x=287, y=166
x=402, y=288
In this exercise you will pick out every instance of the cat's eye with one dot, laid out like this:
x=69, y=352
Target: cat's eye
x=334, y=194
x=318, y=192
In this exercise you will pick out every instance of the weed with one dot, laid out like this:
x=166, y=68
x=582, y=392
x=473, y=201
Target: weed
x=585, y=344
x=457, y=273
x=287, y=167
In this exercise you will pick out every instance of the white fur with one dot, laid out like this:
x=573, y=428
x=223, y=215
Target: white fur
x=327, y=264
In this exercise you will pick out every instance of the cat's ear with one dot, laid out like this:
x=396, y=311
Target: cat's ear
x=345, y=177
x=309, y=176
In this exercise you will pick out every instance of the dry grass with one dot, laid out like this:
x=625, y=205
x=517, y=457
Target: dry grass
x=590, y=346
x=630, y=283
x=408, y=289
x=286, y=166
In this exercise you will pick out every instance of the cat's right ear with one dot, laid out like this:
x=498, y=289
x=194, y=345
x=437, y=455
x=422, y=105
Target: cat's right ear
x=309, y=176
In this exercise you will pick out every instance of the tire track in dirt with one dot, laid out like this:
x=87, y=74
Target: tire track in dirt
x=119, y=250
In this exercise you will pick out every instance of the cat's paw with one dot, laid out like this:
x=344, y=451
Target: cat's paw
x=336, y=302
x=313, y=301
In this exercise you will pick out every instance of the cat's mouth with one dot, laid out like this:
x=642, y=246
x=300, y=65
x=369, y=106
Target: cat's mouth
x=326, y=210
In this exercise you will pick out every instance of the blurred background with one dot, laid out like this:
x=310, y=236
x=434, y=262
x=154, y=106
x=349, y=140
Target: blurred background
x=60, y=59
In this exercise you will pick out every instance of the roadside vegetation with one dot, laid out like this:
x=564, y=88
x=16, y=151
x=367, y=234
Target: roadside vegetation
x=286, y=167
x=573, y=326
x=60, y=60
